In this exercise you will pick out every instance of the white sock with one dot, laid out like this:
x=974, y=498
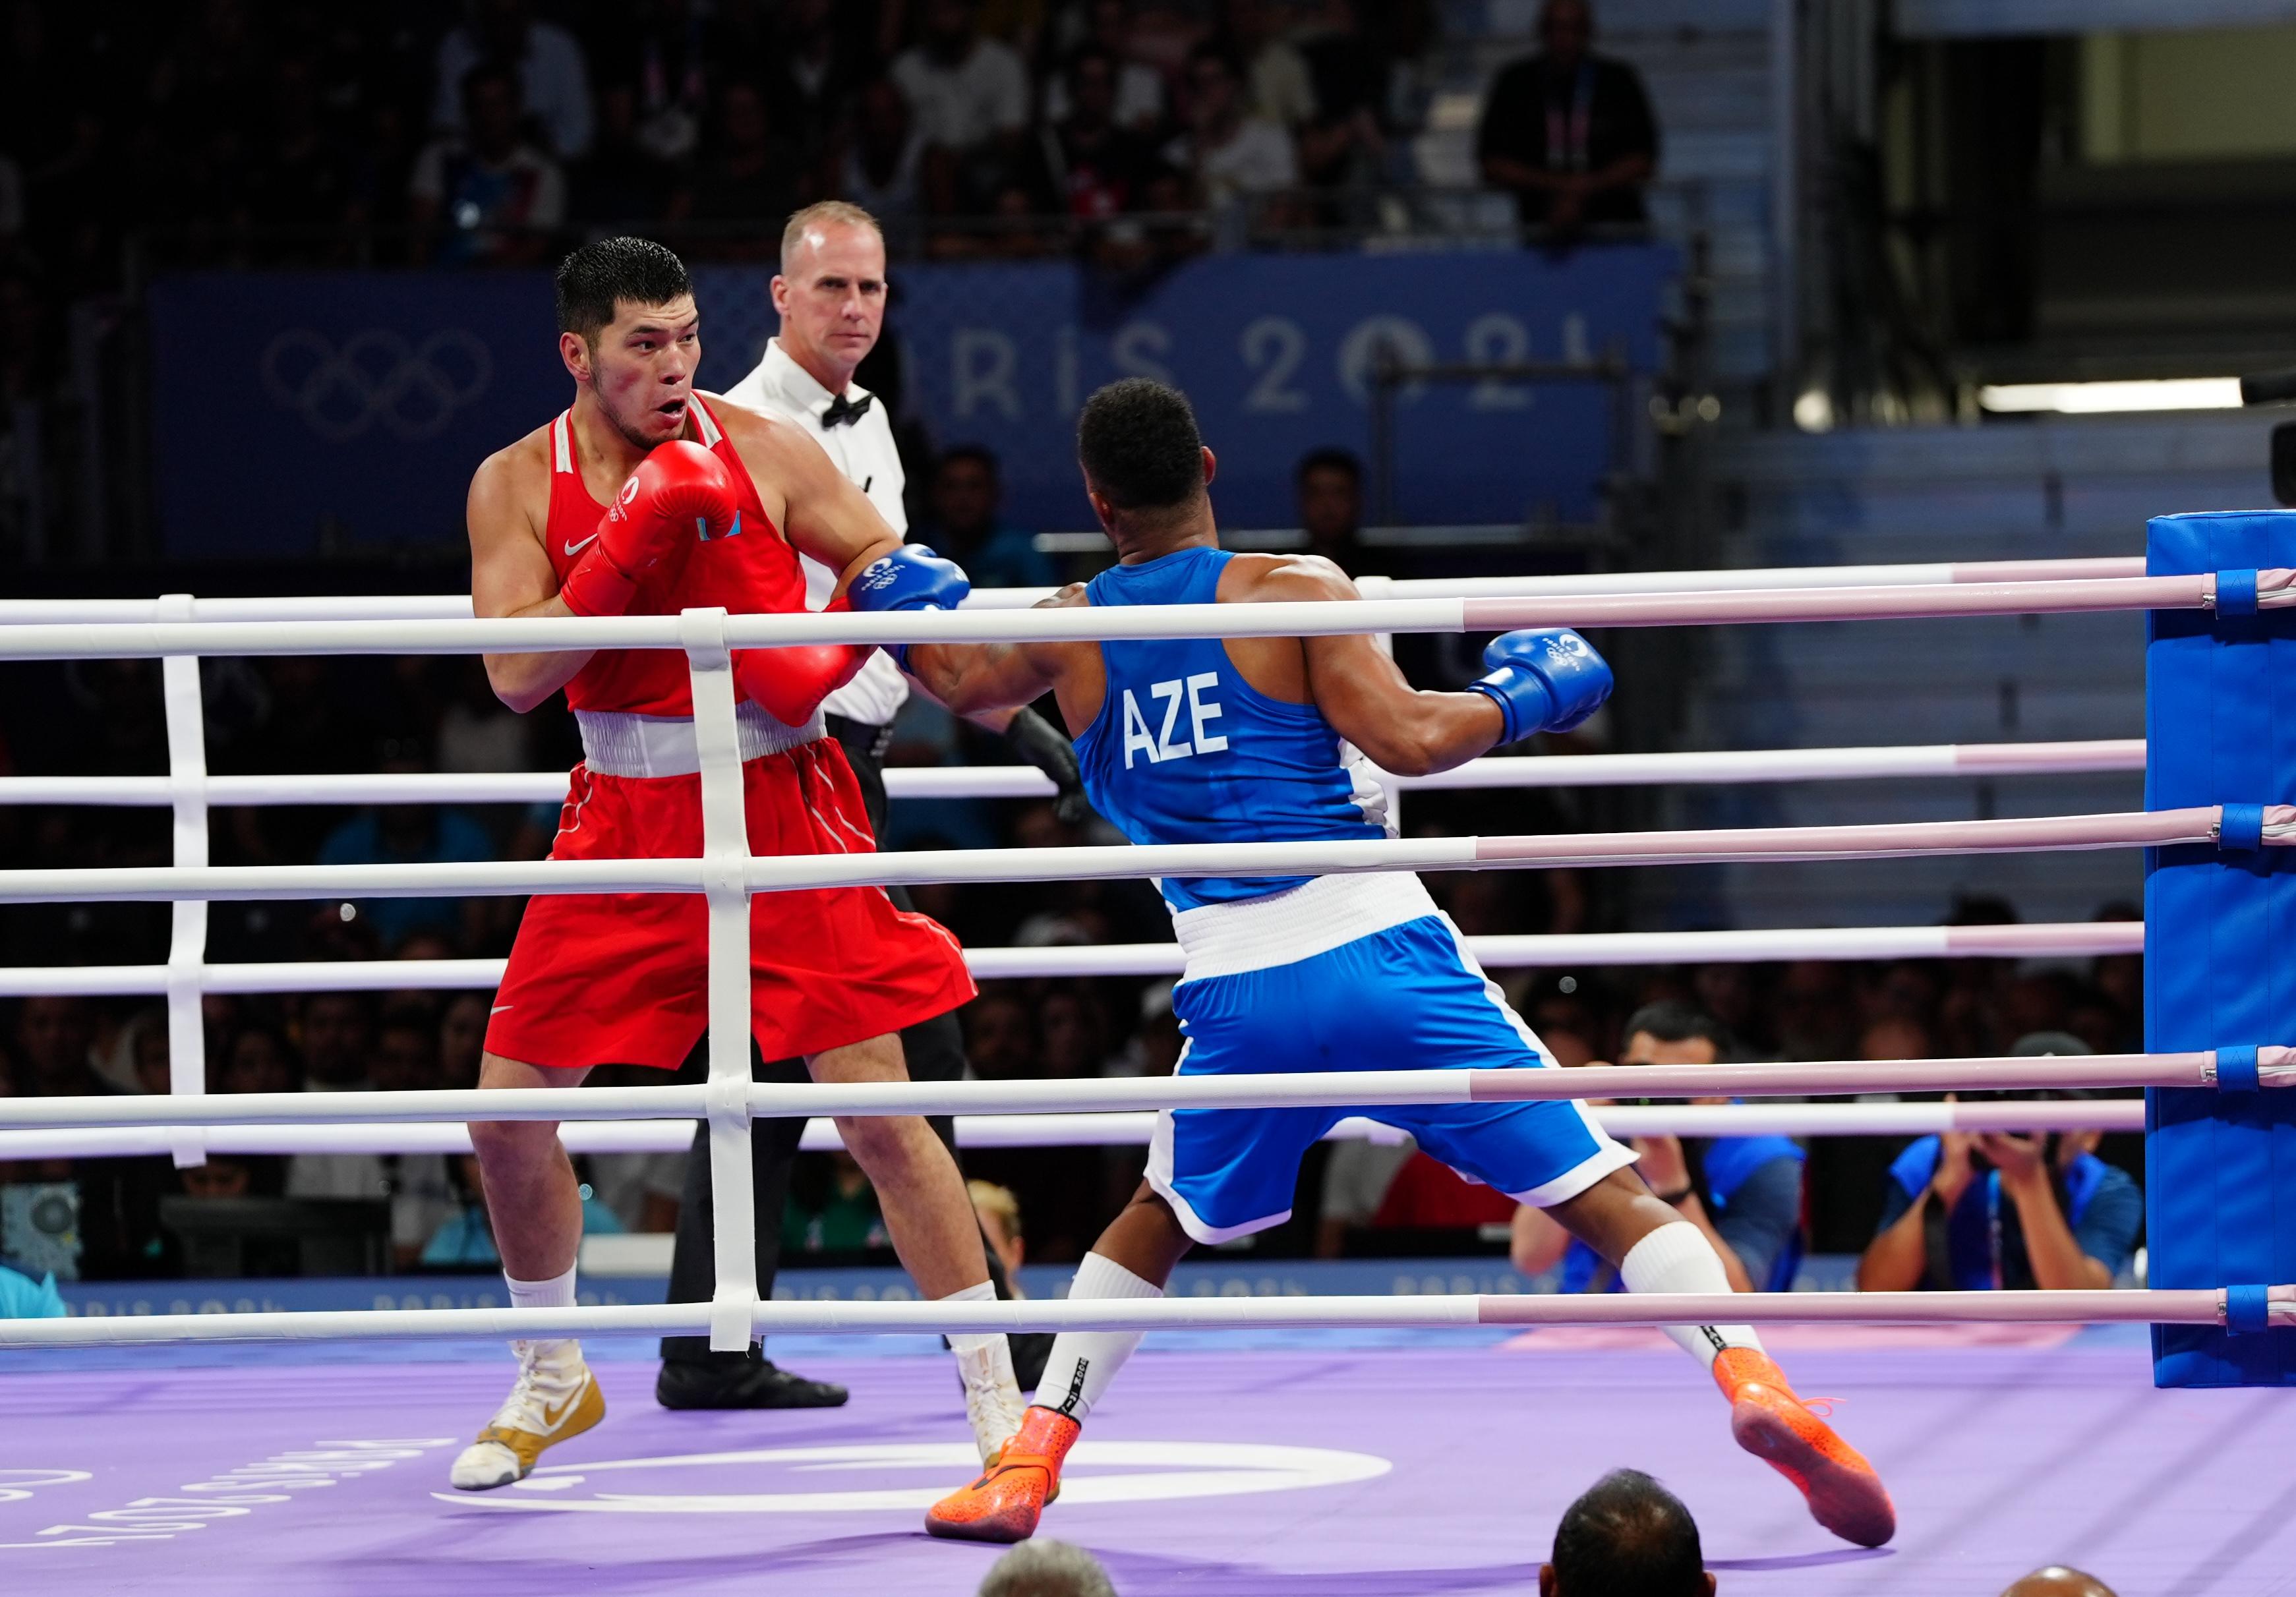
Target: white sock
x=557, y=1292
x=1084, y=1362
x=1678, y=1258
x=973, y=1342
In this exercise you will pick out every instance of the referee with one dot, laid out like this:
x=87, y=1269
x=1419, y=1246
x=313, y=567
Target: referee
x=830, y=294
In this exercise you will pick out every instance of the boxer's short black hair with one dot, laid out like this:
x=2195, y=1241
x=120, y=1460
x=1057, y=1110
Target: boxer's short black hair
x=1628, y=1536
x=598, y=276
x=1137, y=441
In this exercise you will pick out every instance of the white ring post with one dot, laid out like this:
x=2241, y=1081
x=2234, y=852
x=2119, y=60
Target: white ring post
x=725, y=867
x=187, y=939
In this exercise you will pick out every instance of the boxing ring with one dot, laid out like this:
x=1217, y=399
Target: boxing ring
x=1270, y=1444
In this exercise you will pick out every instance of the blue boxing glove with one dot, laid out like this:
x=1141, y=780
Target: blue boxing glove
x=1547, y=679
x=911, y=578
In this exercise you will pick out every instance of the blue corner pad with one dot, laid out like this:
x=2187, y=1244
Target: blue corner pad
x=2242, y=828
x=2237, y=1070
x=2248, y=1309
x=2235, y=592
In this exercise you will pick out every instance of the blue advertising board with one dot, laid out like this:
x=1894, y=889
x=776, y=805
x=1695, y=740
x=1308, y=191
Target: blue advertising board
x=300, y=410
x=297, y=411
x=1276, y=351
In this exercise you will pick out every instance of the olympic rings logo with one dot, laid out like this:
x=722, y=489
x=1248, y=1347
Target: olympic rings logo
x=413, y=391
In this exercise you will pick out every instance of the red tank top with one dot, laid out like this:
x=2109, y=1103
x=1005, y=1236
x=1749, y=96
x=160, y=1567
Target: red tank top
x=751, y=570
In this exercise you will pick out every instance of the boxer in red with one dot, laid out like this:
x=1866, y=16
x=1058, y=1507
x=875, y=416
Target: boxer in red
x=645, y=498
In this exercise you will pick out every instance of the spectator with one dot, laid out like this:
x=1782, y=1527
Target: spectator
x=497, y=196
x=1135, y=88
x=82, y=1219
x=1095, y=167
x=1000, y=1037
x=746, y=185
x=552, y=80
x=301, y=180
x=999, y=1214
x=879, y=170
x=408, y=834
x=811, y=77
x=260, y=1060
x=1233, y=155
x=621, y=180
x=337, y=1043
x=970, y=98
x=1276, y=81
x=1357, y=1178
x=663, y=58
x=1744, y=1193
x=53, y=1038
x=2058, y=1581
x=1343, y=144
x=462, y=1040
x=1628, y=1537
x=465, y=1240
x=1329, y=482
x=1569, y=133
x=1043, y=1568
x=478, y=732
x=966, y=492
x=1990, y=1210
x=833, y=1208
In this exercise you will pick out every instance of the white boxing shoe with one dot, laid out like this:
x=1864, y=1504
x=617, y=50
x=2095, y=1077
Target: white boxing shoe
x=992, y=1396
x=556, y=1399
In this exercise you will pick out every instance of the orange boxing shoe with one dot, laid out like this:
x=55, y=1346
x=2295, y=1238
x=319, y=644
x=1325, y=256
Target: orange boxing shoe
x=1005, y=1502
x=1845, y=1494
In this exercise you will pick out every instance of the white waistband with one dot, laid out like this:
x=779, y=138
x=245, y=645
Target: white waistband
x=1315, y=917
x=623, y=743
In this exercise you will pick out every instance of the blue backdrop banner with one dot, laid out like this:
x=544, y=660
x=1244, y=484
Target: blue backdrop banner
x=298, y=411
x=1275, y=352
x=293, y=412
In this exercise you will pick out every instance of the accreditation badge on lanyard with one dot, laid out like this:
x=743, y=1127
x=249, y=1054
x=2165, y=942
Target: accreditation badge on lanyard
x=1569, y=130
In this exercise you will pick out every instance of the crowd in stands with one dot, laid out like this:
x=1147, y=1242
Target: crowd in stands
x=271, y=131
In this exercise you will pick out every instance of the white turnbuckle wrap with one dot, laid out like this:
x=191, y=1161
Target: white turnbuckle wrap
x=187, y=935
x=724, y=868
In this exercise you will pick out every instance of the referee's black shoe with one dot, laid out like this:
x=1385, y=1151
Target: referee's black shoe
x=752, y=1382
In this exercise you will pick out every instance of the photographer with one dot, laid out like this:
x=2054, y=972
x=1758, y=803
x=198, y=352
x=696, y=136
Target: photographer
x=1744, y=1193
x=1988, y=1211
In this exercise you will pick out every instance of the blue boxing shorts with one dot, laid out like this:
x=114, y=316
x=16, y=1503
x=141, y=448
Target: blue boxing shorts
x=1268, y=990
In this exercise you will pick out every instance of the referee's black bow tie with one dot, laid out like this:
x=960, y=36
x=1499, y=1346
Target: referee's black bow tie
x=843, y=410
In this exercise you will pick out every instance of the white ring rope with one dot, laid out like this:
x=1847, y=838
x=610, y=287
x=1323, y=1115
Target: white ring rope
x=2074, y=939
x=1026, y=782
x=2205, y=1307
x=1094, y=624
x=787, y=872
x=1105, y=1129
x=1306, y=1089
x=446, y=607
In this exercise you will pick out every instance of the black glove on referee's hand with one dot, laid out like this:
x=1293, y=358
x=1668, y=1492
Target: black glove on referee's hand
x=1048, y=748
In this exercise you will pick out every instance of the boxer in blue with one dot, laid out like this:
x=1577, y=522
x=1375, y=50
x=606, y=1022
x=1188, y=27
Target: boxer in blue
x=1256, y=739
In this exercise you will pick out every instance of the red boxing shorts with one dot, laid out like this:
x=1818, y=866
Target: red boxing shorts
x=621, y=979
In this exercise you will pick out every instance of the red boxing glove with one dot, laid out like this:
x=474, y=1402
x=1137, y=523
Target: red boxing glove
x=790, y=682
x=679, y=488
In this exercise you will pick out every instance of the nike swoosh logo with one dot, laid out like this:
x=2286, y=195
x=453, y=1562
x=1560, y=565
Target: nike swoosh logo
x=574, y=549
x=552, y=1417
x=500, y=1007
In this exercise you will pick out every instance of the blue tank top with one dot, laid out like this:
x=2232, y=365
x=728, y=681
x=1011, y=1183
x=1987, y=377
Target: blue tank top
x=1185, y=751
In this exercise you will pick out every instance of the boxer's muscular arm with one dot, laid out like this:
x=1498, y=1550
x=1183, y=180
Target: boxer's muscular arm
x=976, y=679
x=1367, y=700
x=820, y=513
x=510, y=573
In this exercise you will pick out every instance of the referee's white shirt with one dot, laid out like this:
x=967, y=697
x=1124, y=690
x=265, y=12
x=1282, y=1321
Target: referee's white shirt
x=863, y=449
